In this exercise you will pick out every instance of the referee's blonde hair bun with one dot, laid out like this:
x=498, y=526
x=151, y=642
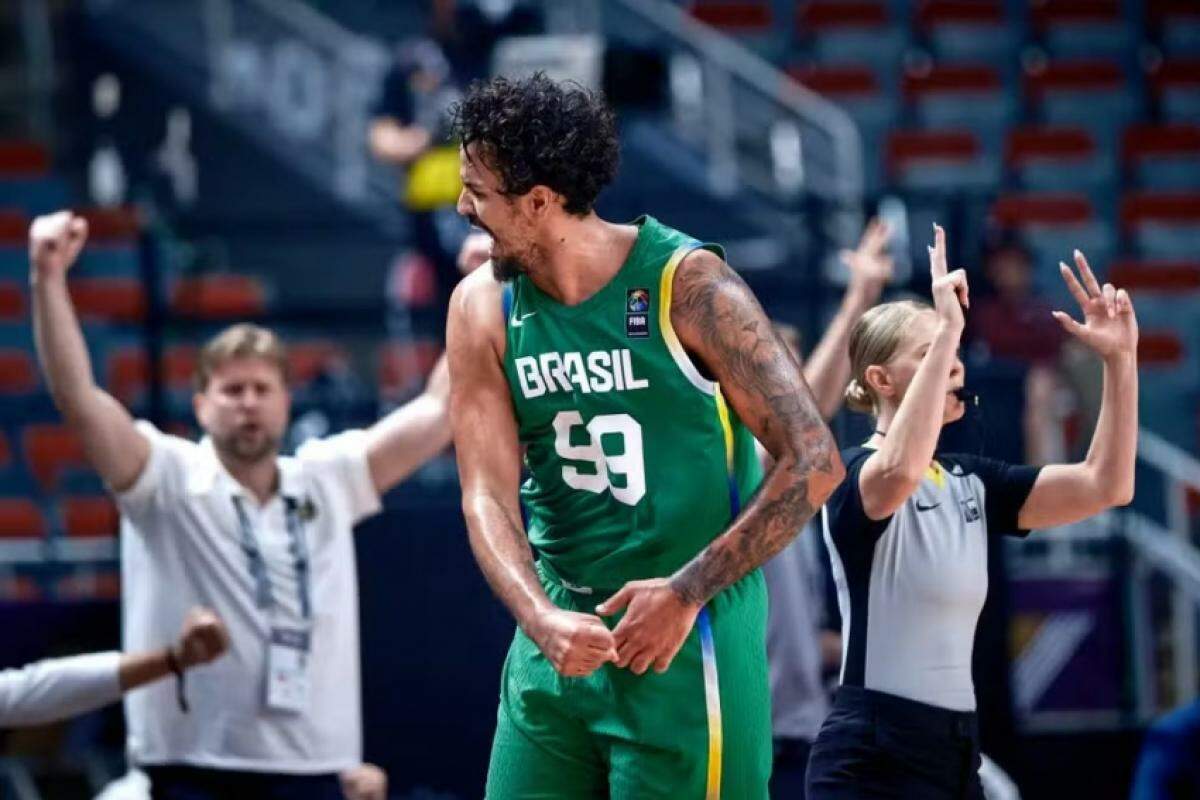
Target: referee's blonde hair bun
x=873, y=342
x=859, y=398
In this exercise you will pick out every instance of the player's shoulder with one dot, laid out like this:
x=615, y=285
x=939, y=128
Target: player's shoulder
x=477, y=307
x=479, y=296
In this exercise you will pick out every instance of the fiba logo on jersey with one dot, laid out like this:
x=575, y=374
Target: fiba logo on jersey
x=637, y=317
x=970, y=509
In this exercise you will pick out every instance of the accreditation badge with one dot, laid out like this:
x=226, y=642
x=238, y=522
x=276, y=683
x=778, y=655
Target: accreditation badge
x=287, y=670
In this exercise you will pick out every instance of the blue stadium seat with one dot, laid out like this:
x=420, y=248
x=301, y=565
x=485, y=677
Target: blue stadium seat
x=1163, y=224
x=35, y=195
x=1089, y=94
x=851, y=32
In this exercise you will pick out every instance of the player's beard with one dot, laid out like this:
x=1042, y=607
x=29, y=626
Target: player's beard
x=245, y=448
x=505, y=268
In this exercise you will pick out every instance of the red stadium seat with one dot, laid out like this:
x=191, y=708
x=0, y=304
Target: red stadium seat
x=222, y=296
x=906, y=148
x=13, y=306
x=20, y=519
x=953, y=79
x=109, y=299
x=1160, y=10
x=1030, y=144
x=306, y=360
x=1019, y=210
x=1073, y=76
x=736, y=16
x=1178, y=208
x=20, y=159
x=1151, y=141
x=18, y=373
x=14, y=227
x=1155, y=276
x=5, y=452
x=111, y=225
x=128, y=372
x=838, y=82
x=1176, y=75
x=20, y=589
x=1055, y=12
x=841, y=14
x=1159, y=348
x=933, y=13
x=51, y=449
x=99, y=585
x=89, y=517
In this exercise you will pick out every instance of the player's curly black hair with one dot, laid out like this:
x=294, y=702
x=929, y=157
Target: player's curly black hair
x=535, y=131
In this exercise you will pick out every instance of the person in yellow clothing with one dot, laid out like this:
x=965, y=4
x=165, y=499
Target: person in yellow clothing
x=410, y=130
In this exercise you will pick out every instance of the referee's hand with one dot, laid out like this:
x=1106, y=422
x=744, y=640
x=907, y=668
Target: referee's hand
x=657, y=622
x=203, y=638
x=576, y=644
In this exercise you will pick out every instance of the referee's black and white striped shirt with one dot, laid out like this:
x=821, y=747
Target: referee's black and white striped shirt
x=911, y=586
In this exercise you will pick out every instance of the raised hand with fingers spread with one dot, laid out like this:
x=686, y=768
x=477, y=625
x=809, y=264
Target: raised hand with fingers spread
x=1109, y=325
x=870, y=264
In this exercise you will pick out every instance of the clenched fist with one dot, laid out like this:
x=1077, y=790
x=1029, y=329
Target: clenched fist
x=202, y=639
x=576, y=644
x=54, y=243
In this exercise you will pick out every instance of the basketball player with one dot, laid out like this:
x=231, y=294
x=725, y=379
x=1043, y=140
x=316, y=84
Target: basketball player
x=635, y=368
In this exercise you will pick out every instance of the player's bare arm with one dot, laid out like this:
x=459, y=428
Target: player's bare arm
x=1067, y=493
x=489, y=465
x=415, y=432
x=111, y=442
x=722, y=325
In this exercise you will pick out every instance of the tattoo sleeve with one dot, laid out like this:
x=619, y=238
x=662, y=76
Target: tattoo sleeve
x=728, y=334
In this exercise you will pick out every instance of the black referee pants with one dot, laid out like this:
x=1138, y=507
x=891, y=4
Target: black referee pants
x=196, y=783
x=875, y=745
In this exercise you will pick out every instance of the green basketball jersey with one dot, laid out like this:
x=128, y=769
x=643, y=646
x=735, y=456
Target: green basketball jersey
x=635, y=461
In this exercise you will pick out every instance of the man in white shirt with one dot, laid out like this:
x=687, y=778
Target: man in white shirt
x=58, y=688
x=263, y=539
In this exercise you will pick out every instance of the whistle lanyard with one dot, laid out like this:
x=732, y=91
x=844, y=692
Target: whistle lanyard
x=298, y=547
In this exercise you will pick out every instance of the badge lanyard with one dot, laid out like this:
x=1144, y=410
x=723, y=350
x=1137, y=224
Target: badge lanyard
x=264, y=598
x=288, y=684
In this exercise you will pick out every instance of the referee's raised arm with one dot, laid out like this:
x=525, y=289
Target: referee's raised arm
x=111, y=442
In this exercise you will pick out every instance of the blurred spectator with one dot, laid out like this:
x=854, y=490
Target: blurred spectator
x=410, y=130
x=1014, y=325
x=265, y=539
x=1169, y=767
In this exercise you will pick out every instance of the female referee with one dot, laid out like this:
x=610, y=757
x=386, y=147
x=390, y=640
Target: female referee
x=906, y=534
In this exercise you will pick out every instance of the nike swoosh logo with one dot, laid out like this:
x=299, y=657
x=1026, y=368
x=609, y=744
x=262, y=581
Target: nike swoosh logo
x=519, y=321
x=926, y=508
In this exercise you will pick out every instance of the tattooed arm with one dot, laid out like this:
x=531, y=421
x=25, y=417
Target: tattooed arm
x=725, y=330
x=489, y=467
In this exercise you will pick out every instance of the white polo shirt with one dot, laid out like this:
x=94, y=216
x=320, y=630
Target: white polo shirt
x=182, y=545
